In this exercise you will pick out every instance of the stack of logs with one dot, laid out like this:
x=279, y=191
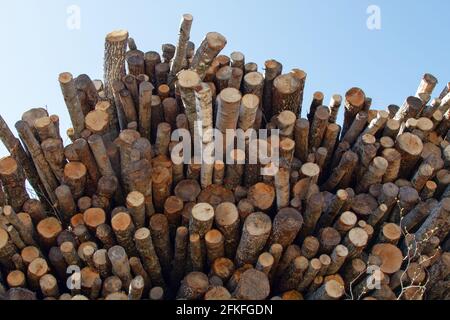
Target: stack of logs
x=358, y=211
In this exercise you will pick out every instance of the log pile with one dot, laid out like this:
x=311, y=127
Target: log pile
x=356, y=211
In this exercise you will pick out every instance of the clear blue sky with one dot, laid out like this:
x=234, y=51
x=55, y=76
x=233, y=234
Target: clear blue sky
x=327, y=38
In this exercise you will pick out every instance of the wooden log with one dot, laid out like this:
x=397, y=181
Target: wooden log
x=148, y=255
x=228, y=222
x=16, y=279
x=302, y=128
x=410, y=109
x=75, y=177
x=93, y=218
x=273, y=69
x=120, y=265
x=179, y=60
x=114, y=60
x=310, y=247
x=159, y=227
x=13, y=181
x=394, y=159
x=17, y=151
x=312, y=214
x=48, y=231
x=345, y=167
x=248, y=111
x=229, y=103
x=73, y=104
x=208, y=50
x=317, y=101
x=331, y=290
x=46, y=128
x=180, y=255
x=410, y=147
x=262, y=196
x=254, y=285
x=286, y=226
x=124, y=229
x=329, y=238
x=310, y=274
x=374, y=175
x=202, y=219
x=437, y=223
x=256, y=232
x=391, y=257
x=187, y=81
x=197, y=257
x=107, y=187
x=87, y=158
x=390, y=233
x=70, y=254
x=293, y=275
x=36, y=270
x=84, y=203
x=334, y=208
x=138, y=177
x=193, y=287
x=335, y=105
x=7, y=250
x=345, y=222
x=136, y=206
x=215, y=248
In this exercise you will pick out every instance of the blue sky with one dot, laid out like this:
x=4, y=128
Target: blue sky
x=329, y=39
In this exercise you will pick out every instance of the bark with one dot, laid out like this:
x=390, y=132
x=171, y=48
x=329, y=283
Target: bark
x=286, y=94
x=228, y=222
x=73, y=104
x=256, y=232
x=207, y=51
x=13, y=181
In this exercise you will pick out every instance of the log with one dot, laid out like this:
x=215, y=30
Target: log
x=302, y=128
x=335, y=105
x=215, y=248
x=120, y=265
x=254, y=285
x=114, y=60
x=286, y=94
x=124, y=229
x=273, y=69
x=229, y=103
x=48, y=231
x=73, y=104
x=193, y=287
x=410, y=147
x=437, y=224
x=228, y=222
x=208, y=50
x=262, y=196
x=202, y=218
x=331, y=290
x=355, y=99
x=13, y=181
x=75, y=177
x=36, y=270
x=286, y=226
x=159, y=227
x=410, y=109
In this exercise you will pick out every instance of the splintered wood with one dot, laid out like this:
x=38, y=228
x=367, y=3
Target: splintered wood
x=358, y=209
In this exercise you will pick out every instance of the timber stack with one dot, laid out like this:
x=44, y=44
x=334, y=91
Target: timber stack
x=358, y=210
